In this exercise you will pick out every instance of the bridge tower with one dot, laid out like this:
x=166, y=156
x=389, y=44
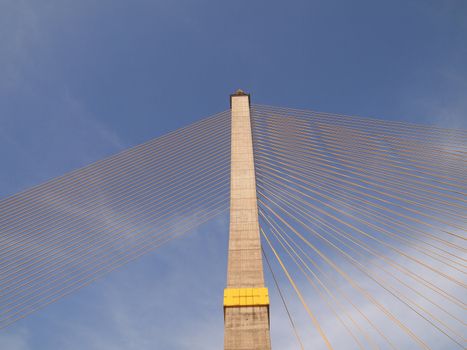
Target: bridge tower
x=246, y=300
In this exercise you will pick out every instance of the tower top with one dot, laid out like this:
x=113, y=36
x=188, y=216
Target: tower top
x=239, y=93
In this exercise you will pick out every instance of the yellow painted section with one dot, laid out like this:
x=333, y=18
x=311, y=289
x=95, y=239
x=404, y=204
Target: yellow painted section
x=246, y=297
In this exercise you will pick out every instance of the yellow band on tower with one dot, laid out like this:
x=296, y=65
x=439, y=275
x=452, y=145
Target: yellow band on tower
x=246, y=297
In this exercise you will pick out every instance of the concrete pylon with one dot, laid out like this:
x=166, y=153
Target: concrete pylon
x=246, y=300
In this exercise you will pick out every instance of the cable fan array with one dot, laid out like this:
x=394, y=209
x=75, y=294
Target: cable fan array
x=367, y=220
x=64, y=234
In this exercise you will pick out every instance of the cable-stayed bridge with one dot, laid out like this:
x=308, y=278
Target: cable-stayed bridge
x=343, y=211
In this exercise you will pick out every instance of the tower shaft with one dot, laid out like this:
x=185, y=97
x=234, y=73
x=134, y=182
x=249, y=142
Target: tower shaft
x=246, y=301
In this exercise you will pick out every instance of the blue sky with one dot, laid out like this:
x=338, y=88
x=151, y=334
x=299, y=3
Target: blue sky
x=80, y=80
